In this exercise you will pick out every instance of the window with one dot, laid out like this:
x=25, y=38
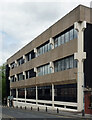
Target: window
x=43, y=48
x=13, y=65
x=56, y=67
x=21, y=93
x=62, y=39
x=31, y=93
x=59, y=40
x=72, y=34
x=30, y=74
x=56, y=43
x=67, y=37
x=65, y=63
x=66, y=93
x=13, y=79
x=71, y=62
x=43, y=70
x=20, y=76
x=44, y=93
x=75, y=33
x=20, y=61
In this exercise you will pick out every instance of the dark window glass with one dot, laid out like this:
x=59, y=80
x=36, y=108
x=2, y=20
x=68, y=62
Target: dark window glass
x=31, y=93
x=45, y=93
x=13, y=65
x=21, y=93
x=20, y=61
x=66, y=93
x=30, y=74
x=13, y=79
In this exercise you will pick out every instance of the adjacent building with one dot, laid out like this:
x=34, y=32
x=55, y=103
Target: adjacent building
x=54, y=69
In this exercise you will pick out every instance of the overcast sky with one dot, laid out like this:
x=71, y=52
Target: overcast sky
x=21, y=22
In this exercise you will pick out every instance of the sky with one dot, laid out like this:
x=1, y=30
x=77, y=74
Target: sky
x=23, y=20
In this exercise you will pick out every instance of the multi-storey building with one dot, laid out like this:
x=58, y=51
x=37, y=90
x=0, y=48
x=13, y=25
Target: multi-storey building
x=54, y=70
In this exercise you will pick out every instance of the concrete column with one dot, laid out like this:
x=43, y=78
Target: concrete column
x=52, y=42
x=36, y=95
x=16, y=77
x=10, y=66
x=16, y=92
x=35, y=70
x=24, y=57
x=35, y=51
x=24, y=73
x=16, y=62
x=80, y=56
x=52, y=66
x=25, y=94
x=53, y=95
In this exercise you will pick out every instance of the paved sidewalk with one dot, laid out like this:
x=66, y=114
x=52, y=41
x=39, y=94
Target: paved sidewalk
x=62, y=113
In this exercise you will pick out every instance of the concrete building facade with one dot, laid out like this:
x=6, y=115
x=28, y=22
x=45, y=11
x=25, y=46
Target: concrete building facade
x=54, y=70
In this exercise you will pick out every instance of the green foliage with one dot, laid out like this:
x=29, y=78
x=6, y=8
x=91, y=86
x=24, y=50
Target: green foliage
x=2, y=81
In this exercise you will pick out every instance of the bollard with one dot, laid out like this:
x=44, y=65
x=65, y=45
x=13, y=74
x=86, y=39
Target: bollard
x=57, y=110
x=46, y=109
x=31, y=108
x=38, y=108
x=25, y=107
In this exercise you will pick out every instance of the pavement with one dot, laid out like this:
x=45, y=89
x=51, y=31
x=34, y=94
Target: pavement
x=8, y=112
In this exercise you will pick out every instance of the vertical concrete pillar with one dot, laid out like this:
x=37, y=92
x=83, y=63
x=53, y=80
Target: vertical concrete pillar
x=35, y=51
x=16, y=62
x=24, y=74
x=24, y=57
x=25, y=94
x=36, y=95
x=80, y=56
x=52, y=66
x=53, y=95
x=16, y=92
x=16, y=77
x=35, y=70
x=52, y=42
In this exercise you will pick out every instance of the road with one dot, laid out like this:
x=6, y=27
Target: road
x=22, y=113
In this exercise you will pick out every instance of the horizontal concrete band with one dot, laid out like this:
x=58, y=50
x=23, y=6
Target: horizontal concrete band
x=62, y=77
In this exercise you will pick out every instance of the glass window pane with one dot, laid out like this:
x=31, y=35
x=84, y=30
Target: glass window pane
x=71, y=34
x=63, y=65
x=71, y=62
x=62, y=39
x=67, y=63
x=56, y=42
x=75, y=33
x=59, y=65
x=56, y=67
x=67, y=37
x=59, y=41
x=75, y=63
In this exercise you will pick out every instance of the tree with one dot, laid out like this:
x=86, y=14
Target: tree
x=2, y=81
